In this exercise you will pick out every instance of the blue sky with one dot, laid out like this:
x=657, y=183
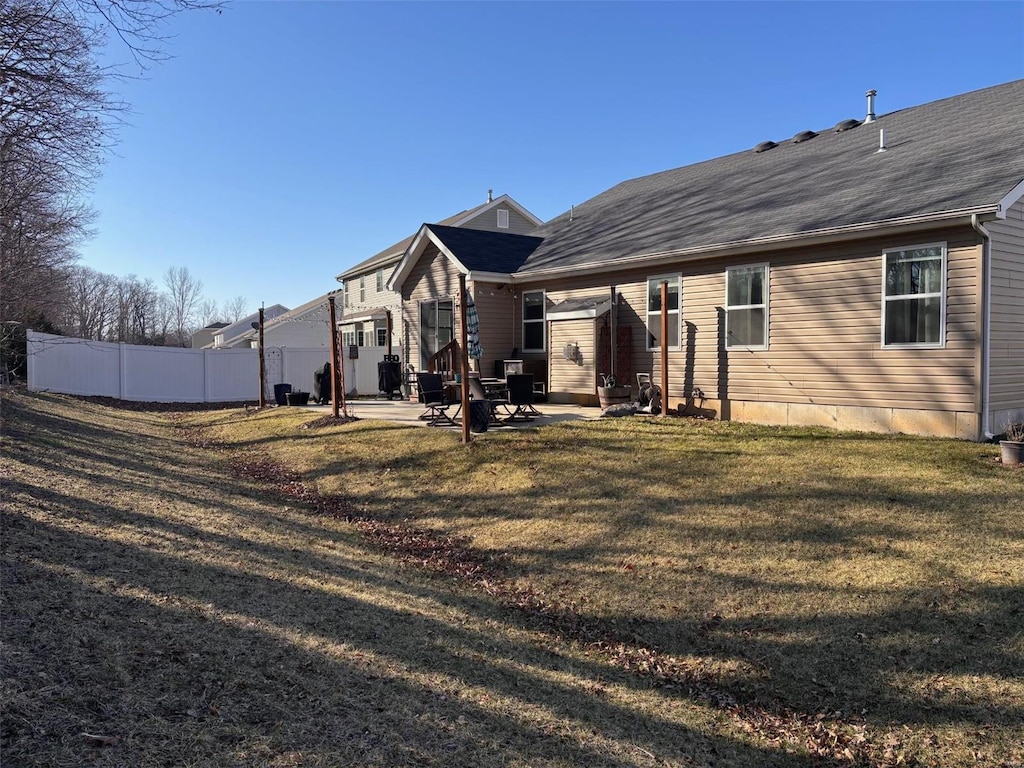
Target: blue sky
x=287, y=141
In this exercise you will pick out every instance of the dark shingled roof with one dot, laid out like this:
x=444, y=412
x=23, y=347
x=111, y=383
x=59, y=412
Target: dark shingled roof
x=482, y=251
x=958, y=153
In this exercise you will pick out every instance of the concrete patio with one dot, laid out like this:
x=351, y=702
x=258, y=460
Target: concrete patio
x=405, y=412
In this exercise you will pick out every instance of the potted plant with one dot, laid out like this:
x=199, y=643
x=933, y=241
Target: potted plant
x=1011, y=447
x=611, y=394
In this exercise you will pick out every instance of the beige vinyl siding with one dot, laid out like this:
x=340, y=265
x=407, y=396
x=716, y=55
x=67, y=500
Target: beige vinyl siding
x=825, y=319
x=494, y=306
x=432, y=277
x=570, y=377
x=488, y=220
x=1007, y=313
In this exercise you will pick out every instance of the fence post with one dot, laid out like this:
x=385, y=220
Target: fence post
x=122, y=371
x=206, y=375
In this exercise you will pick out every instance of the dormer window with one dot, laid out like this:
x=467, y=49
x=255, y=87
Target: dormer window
x=503, y=218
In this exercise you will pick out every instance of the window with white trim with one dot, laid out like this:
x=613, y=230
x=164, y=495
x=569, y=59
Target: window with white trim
x=362, y=291
x=502, y=218
x=382, y=337
x=914, y=296
x=380, y=279
x=348, y=291
x=348, y=338
x=654, y=311
x=746, y=307
x=534, y=311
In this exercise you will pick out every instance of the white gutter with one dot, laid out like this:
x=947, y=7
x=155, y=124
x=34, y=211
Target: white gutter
x=831, y=234
x=986, y=323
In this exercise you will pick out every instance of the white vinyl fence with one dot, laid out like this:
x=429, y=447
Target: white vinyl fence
x=174, y=375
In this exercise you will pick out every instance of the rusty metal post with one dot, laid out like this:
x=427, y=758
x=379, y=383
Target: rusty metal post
x=263, y=367
x=664, y=348
x=389, y=330
x=464, y=354
x=335, y=357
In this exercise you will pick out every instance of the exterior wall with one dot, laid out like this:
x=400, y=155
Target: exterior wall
x=433, y=277
x=572, y=381
x=488, y=220
x=350, y=305
x=1007, y=319
x=300, y=333
x=825, y=355
x=495, y=308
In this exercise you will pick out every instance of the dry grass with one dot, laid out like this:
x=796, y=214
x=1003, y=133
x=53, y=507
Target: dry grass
x=153, y=596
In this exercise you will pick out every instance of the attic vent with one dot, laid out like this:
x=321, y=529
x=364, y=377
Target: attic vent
x=502, y=218
x=845, y=125
x=764, y=146
x=803, y=136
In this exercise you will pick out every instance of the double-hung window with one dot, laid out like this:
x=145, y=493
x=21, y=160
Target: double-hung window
x=654, y=310
x=914, y=300
x=362, y=289
x=746, y=307
x=380, y=279
x=533, y=321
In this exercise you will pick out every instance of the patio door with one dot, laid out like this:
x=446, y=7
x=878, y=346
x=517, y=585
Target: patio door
x=437, y=327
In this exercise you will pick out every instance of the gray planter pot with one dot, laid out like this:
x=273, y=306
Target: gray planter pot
x=1011, y=452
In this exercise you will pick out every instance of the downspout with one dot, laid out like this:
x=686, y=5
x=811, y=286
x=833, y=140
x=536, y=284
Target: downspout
x=986, y=321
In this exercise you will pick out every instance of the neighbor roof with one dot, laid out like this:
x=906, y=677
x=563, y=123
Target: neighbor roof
x=954, y=156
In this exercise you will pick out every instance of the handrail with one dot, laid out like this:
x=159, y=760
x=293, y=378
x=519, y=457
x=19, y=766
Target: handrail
x=447, y=358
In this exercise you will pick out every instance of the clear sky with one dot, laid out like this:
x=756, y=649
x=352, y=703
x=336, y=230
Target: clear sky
x=287, y=141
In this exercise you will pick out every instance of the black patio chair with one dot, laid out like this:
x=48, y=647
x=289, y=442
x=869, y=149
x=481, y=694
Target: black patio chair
x=520, y=396
x=477, y=392
x=432, y=395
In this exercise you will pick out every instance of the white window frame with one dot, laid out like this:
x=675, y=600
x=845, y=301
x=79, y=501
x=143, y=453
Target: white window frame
x=542, y=321
x=382, y=336
x=678, y=312
x=503, y=218
x=380, y=279
x=362, y=290
x=941, y=294
x=348, y=291
x=348, y=338
x=767, y=296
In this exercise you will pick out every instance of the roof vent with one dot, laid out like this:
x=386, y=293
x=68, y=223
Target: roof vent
x=803, y=136
x=764, y=146
x=845, y=125
x=871, y=106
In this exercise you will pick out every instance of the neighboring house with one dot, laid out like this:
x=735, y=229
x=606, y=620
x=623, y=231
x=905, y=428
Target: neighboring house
x=367, y=299
x=237, y=333
x=204, y=336
x=866, y=276
x=306, y=327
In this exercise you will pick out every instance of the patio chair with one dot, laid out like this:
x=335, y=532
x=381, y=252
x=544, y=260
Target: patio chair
x=477, y=392
x=431, y=387
x=520, y=395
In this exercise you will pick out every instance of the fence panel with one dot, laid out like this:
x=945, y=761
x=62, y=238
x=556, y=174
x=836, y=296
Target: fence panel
x=171, y=374
x=73, y=366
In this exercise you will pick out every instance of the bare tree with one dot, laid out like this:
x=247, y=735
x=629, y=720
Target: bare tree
x=184, y=292
x=234, y=309
x=90, y=307
x=57, y=119
x=208, y=312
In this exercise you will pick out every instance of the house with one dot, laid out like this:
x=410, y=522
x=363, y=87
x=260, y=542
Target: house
x=306, y=327
x=237, y=333
x=869, y=276
x=368, y=300
x=204, y=336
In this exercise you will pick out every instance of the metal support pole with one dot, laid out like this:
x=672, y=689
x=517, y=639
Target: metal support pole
x=263, y=367
x=464, y=353
x=664, y=348
x=335, y=358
